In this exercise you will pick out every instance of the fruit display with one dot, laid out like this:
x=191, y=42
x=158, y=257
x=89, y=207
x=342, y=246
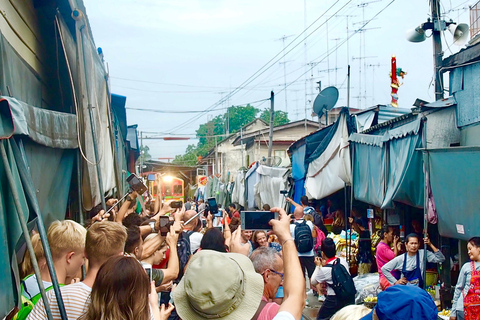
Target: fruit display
x=370, y=302
x=372, y=299
x=445, y=313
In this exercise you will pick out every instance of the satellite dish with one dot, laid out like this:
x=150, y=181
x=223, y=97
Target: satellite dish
x=459, y=32
x=325, y=101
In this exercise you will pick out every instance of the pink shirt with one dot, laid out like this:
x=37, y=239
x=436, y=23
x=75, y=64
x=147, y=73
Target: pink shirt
x=269, y=311
x=384, y=255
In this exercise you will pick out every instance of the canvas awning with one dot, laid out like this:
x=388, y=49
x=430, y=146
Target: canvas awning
x=329, y=167
x=271, y=181
x=454, y=177
x=388, y=168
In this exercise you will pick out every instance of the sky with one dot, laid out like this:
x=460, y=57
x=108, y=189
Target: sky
x=206, y=55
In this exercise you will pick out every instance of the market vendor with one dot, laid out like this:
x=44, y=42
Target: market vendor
x=468, y=285
x=364, y=255
x=411, y=263
x=385, y=254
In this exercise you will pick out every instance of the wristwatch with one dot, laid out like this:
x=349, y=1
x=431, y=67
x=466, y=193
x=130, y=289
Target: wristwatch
x=152, y=225
x=129, y=198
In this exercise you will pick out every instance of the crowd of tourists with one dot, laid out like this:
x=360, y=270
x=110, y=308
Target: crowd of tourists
x=184, y=263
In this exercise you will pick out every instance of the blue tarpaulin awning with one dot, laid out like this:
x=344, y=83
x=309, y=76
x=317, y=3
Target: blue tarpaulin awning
x=388, y=168
x=454, y=176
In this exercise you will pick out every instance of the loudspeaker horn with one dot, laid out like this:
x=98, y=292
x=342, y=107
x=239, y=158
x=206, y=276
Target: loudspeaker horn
x=459, y=32
x=416, y=35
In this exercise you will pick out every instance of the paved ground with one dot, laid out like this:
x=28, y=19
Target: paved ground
x=310, y=312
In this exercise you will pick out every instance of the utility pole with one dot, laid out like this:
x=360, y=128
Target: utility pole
x=241, y=146
x=437, y=48
x=270, y=136
x=142, y=153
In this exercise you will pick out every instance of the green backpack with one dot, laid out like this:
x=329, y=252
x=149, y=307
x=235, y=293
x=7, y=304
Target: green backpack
x=27, y=304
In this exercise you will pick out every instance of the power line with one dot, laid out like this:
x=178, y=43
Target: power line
x=259, y=72
x=348, y=37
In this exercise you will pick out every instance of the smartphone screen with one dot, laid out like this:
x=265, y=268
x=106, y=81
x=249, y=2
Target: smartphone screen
x=257, y=220
x=148, y=269
x=212, y=203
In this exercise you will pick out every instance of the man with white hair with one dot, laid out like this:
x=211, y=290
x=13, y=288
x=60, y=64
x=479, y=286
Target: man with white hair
x=191, y=230
x=267, y=262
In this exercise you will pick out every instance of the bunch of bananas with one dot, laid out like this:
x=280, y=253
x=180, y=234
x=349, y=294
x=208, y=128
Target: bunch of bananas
x=444, y=313
x=370, y=299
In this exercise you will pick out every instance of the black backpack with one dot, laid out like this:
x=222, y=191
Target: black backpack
x=184, y=252
x=343, y=284
x=303, y=237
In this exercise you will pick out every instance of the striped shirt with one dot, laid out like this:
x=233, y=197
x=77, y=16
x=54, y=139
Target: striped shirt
x=76, y=298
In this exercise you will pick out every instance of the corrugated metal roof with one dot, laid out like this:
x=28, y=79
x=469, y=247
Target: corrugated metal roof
x=386, y=113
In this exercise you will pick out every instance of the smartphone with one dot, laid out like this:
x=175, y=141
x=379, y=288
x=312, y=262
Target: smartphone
x=164, y=225
x=136, y=184
x=257, y=220
x=213, y=207
x=176, y=204
x=148, y=270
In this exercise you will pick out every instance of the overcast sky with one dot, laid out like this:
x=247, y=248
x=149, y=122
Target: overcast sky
x=188, y=55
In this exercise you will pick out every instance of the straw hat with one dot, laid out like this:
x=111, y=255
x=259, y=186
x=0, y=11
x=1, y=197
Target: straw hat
x=218, y=286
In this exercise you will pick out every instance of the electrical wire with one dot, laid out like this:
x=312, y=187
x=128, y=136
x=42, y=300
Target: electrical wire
x=339, y=45
x=260, y=71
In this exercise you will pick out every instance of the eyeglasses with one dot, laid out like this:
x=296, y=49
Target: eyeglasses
x=280, y=274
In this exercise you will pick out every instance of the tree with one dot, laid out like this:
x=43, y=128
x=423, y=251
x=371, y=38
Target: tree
x=281, y=117
x=144, y=154
x=235, y=118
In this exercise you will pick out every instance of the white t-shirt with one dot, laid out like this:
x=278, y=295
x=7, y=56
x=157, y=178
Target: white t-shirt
x=284, y=315
x=324, y=274
x=292, y=232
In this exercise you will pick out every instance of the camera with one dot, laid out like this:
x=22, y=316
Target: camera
x=165, y=224
x=257, y=220
x=136, y=184
x=212, y=206
x=176, y=204
x=148, y=270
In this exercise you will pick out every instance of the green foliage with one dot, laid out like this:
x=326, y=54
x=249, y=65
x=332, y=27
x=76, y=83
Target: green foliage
x=144, y=154
x=281, y=117
x=235, y=118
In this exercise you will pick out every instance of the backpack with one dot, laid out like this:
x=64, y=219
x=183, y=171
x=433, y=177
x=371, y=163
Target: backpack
x=320, y=237
x=343, y=284
x=26, y=305
x=184, y=252
x=303, y=237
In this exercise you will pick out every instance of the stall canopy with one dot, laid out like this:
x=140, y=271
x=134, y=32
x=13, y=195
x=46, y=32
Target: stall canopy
x=387, y=167
x=454, y=176
x=271, y=181
x=298, y=172
x=329, y=167
x=40, y=148
x=251, y=179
